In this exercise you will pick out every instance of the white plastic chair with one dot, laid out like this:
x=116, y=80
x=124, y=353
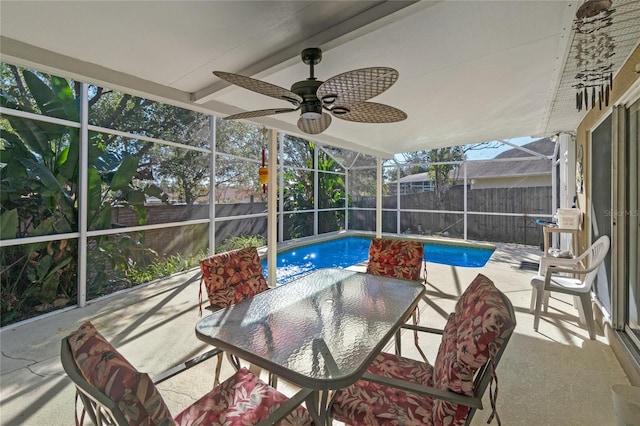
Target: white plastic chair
x=592, y=258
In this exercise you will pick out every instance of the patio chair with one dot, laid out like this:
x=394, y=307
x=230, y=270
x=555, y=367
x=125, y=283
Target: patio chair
x=229, y=278
x=585, y=266
x=398, y=390
x=398, y=259
x=395, y=258
x=113, y=392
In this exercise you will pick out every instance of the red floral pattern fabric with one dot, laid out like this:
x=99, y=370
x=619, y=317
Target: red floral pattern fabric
x=395, y=258
x=476, y=329
x=103, y=367
x=367, y=403
x=241, y=400
x=232, y=276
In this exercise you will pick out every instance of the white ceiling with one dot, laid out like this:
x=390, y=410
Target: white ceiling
x=470, y=71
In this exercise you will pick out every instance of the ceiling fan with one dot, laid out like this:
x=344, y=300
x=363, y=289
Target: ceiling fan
x=343, y=96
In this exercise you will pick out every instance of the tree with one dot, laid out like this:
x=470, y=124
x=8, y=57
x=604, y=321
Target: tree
x=441, y=164
x=299, y=188
x=243, y=142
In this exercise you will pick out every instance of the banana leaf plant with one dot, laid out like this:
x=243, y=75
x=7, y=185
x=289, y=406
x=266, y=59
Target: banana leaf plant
x=39, y=195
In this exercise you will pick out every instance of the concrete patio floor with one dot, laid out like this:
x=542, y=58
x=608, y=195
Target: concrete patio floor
x=556, y=376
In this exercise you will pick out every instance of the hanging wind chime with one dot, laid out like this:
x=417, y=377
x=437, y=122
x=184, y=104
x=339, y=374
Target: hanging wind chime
x=594, y=50
x=263, y=172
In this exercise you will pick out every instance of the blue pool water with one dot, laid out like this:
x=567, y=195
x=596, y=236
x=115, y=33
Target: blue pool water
x=348, y=251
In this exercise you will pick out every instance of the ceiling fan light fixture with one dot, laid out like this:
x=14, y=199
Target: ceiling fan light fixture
x=311, y=110
x=311, y=115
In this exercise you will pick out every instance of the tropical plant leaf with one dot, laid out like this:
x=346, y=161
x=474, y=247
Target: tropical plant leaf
x=125, y=173
x=155, y=191
x=50, y=100
x=9, y=222
x=33, y=136
x=41, y=174
x=49, y=288
x=8, y=101
x=136, y=197
x=94, y=194
x=68, y=158
x=42, y=94
x=64, y=94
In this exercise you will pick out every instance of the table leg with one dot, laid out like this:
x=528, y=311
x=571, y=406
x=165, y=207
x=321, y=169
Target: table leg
x=318, y=407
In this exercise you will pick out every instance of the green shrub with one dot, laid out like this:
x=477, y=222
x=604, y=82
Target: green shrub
x=165, y=267
x=241, y=241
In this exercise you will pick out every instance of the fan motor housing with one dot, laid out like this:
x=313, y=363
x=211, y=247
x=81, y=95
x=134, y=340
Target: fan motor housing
x=306, y=89
x=311, y=106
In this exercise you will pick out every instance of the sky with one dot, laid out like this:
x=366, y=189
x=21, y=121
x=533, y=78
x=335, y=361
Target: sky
x=487, y=153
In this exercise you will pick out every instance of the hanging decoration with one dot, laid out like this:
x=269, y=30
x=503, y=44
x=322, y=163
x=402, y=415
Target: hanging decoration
x=595, y=47
x=263, y=172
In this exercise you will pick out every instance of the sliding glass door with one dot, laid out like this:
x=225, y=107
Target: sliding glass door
x=633, y=243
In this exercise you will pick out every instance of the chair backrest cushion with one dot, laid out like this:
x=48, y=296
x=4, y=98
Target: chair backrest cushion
x=395, y=258
x=474, y=332
x=108, y=371
x=232, y=276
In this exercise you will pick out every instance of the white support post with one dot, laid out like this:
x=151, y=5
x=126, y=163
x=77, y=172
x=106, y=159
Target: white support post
x=567, y=164
x=280, y=191
x=554, y=187
x=378, y=197
x=212, y=186
x=83, y=212
x=315, y=190
x=272, y=211
x=464, y=169
x=346, y=199
x=398, y=198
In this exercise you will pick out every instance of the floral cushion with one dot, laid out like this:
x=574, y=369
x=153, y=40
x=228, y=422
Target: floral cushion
x=243, y=399
x=367, y=403
x=395, y=258
x=232, y=276
x=475, y=331
x=104, y=368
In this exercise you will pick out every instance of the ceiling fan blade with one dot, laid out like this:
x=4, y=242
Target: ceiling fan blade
x=313, y=127
x=371, y=112
x=261, y=87
x=356, y=86
x=259, y=113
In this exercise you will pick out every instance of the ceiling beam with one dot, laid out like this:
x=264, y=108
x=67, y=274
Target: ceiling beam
x=341, y=33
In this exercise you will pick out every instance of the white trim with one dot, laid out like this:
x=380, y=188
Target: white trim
x=39, y=239
x=39, y=117
x=631, y=95
x=145, y=138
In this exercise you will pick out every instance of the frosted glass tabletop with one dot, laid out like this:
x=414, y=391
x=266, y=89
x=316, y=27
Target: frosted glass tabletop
x=320, y=331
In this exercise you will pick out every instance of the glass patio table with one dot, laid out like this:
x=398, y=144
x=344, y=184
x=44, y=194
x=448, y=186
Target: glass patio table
x=320, y=331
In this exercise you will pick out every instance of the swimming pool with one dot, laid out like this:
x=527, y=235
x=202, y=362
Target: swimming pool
x=348, y=251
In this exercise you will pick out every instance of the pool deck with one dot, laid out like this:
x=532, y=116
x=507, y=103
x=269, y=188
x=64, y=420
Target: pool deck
x=551, y=377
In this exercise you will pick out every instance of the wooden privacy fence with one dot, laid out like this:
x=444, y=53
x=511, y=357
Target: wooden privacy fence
x=486, y=219
x=193, y=238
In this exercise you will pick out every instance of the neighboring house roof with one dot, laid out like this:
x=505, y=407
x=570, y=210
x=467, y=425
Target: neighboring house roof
x=478, y=169
x=500, y=169
x=418, y=177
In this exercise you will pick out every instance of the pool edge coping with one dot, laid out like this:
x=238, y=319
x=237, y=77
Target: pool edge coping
x=298, y=242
